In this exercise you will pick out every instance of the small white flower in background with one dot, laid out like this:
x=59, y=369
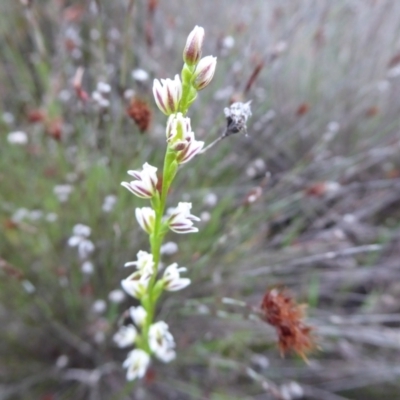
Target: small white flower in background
x=85, y=248
x=99, y=306
x=145, y=185
x=79, y=239
x=87, y=268
x=116, y=296
x=136, y=284
x=8, y=118
x=128, y=94
x=103, y=87
x=144, y=263
x=228, y=42
x=146, y=218
x=256, y=167
x=138, y=315
x=28, y=287
x=35, y=215
x=136, y=363
x=161, y=341
x=100, y=100
x=17, y=137
x=210, y=199
x=180, y=219
x=81, y=230
x=291, y=391
x=236, y=116
x=99, y=337
x=51, y=217
x=172, y=280
x=169, y=248
x=109, y=203
x=62, y=361
x=126, y=336
x=62, y=192
x=167, y=94
x=333, y=126
x=140, y=75
x=194, y=43
x=20, y=214
x=205, y=216
x=204, y=72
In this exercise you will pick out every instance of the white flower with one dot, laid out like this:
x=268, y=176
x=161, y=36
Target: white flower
x=109, y=203
x=191, y=148
x=126, y=336
x=136, y=363
x=20, y=214
x=62, y=192
x=181, y=138
x=87, y=268
x=178, y=127
x=145, y=185
x=99, y=306
x=161, y=341
x=138, y=315
x=81, y=230
x=103, y=87
x=116, y=296
x=167, y=94
x=140, y=75
x=136, y=284
x=172, y=280
x=144, y=262
x=146, y=217
x=204, y=72
x=180, y=220
x=79, y=239
x=17, y=137
x=194, y=43
x=169, y=248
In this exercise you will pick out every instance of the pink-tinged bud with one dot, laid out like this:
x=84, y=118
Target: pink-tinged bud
x=204, y=72
x=180, y=220
x=167, y=94
x=146, y=217
x=194, y=43
x=145, y=185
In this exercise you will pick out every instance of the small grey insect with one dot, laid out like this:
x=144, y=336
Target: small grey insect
x=236, y=117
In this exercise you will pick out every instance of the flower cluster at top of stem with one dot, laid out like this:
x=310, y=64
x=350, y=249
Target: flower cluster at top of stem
x=146, y=284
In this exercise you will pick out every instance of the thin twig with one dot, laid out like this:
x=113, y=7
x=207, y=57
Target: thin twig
x=330, y=255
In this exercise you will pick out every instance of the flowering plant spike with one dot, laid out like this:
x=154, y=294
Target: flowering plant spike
x=146, y=283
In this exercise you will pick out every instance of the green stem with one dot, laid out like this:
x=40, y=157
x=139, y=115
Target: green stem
x=156, y=239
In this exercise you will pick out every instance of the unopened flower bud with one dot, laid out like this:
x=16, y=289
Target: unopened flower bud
x=204, y=72
x=194, y=43
x=167, y=94
x=146, y=217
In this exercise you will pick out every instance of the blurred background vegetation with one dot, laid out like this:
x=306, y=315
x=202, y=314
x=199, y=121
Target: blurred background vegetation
x=321, y=159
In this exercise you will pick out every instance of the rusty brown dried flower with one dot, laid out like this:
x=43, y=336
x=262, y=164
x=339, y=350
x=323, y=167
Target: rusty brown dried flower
x=140, y=112
x=287, y=317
